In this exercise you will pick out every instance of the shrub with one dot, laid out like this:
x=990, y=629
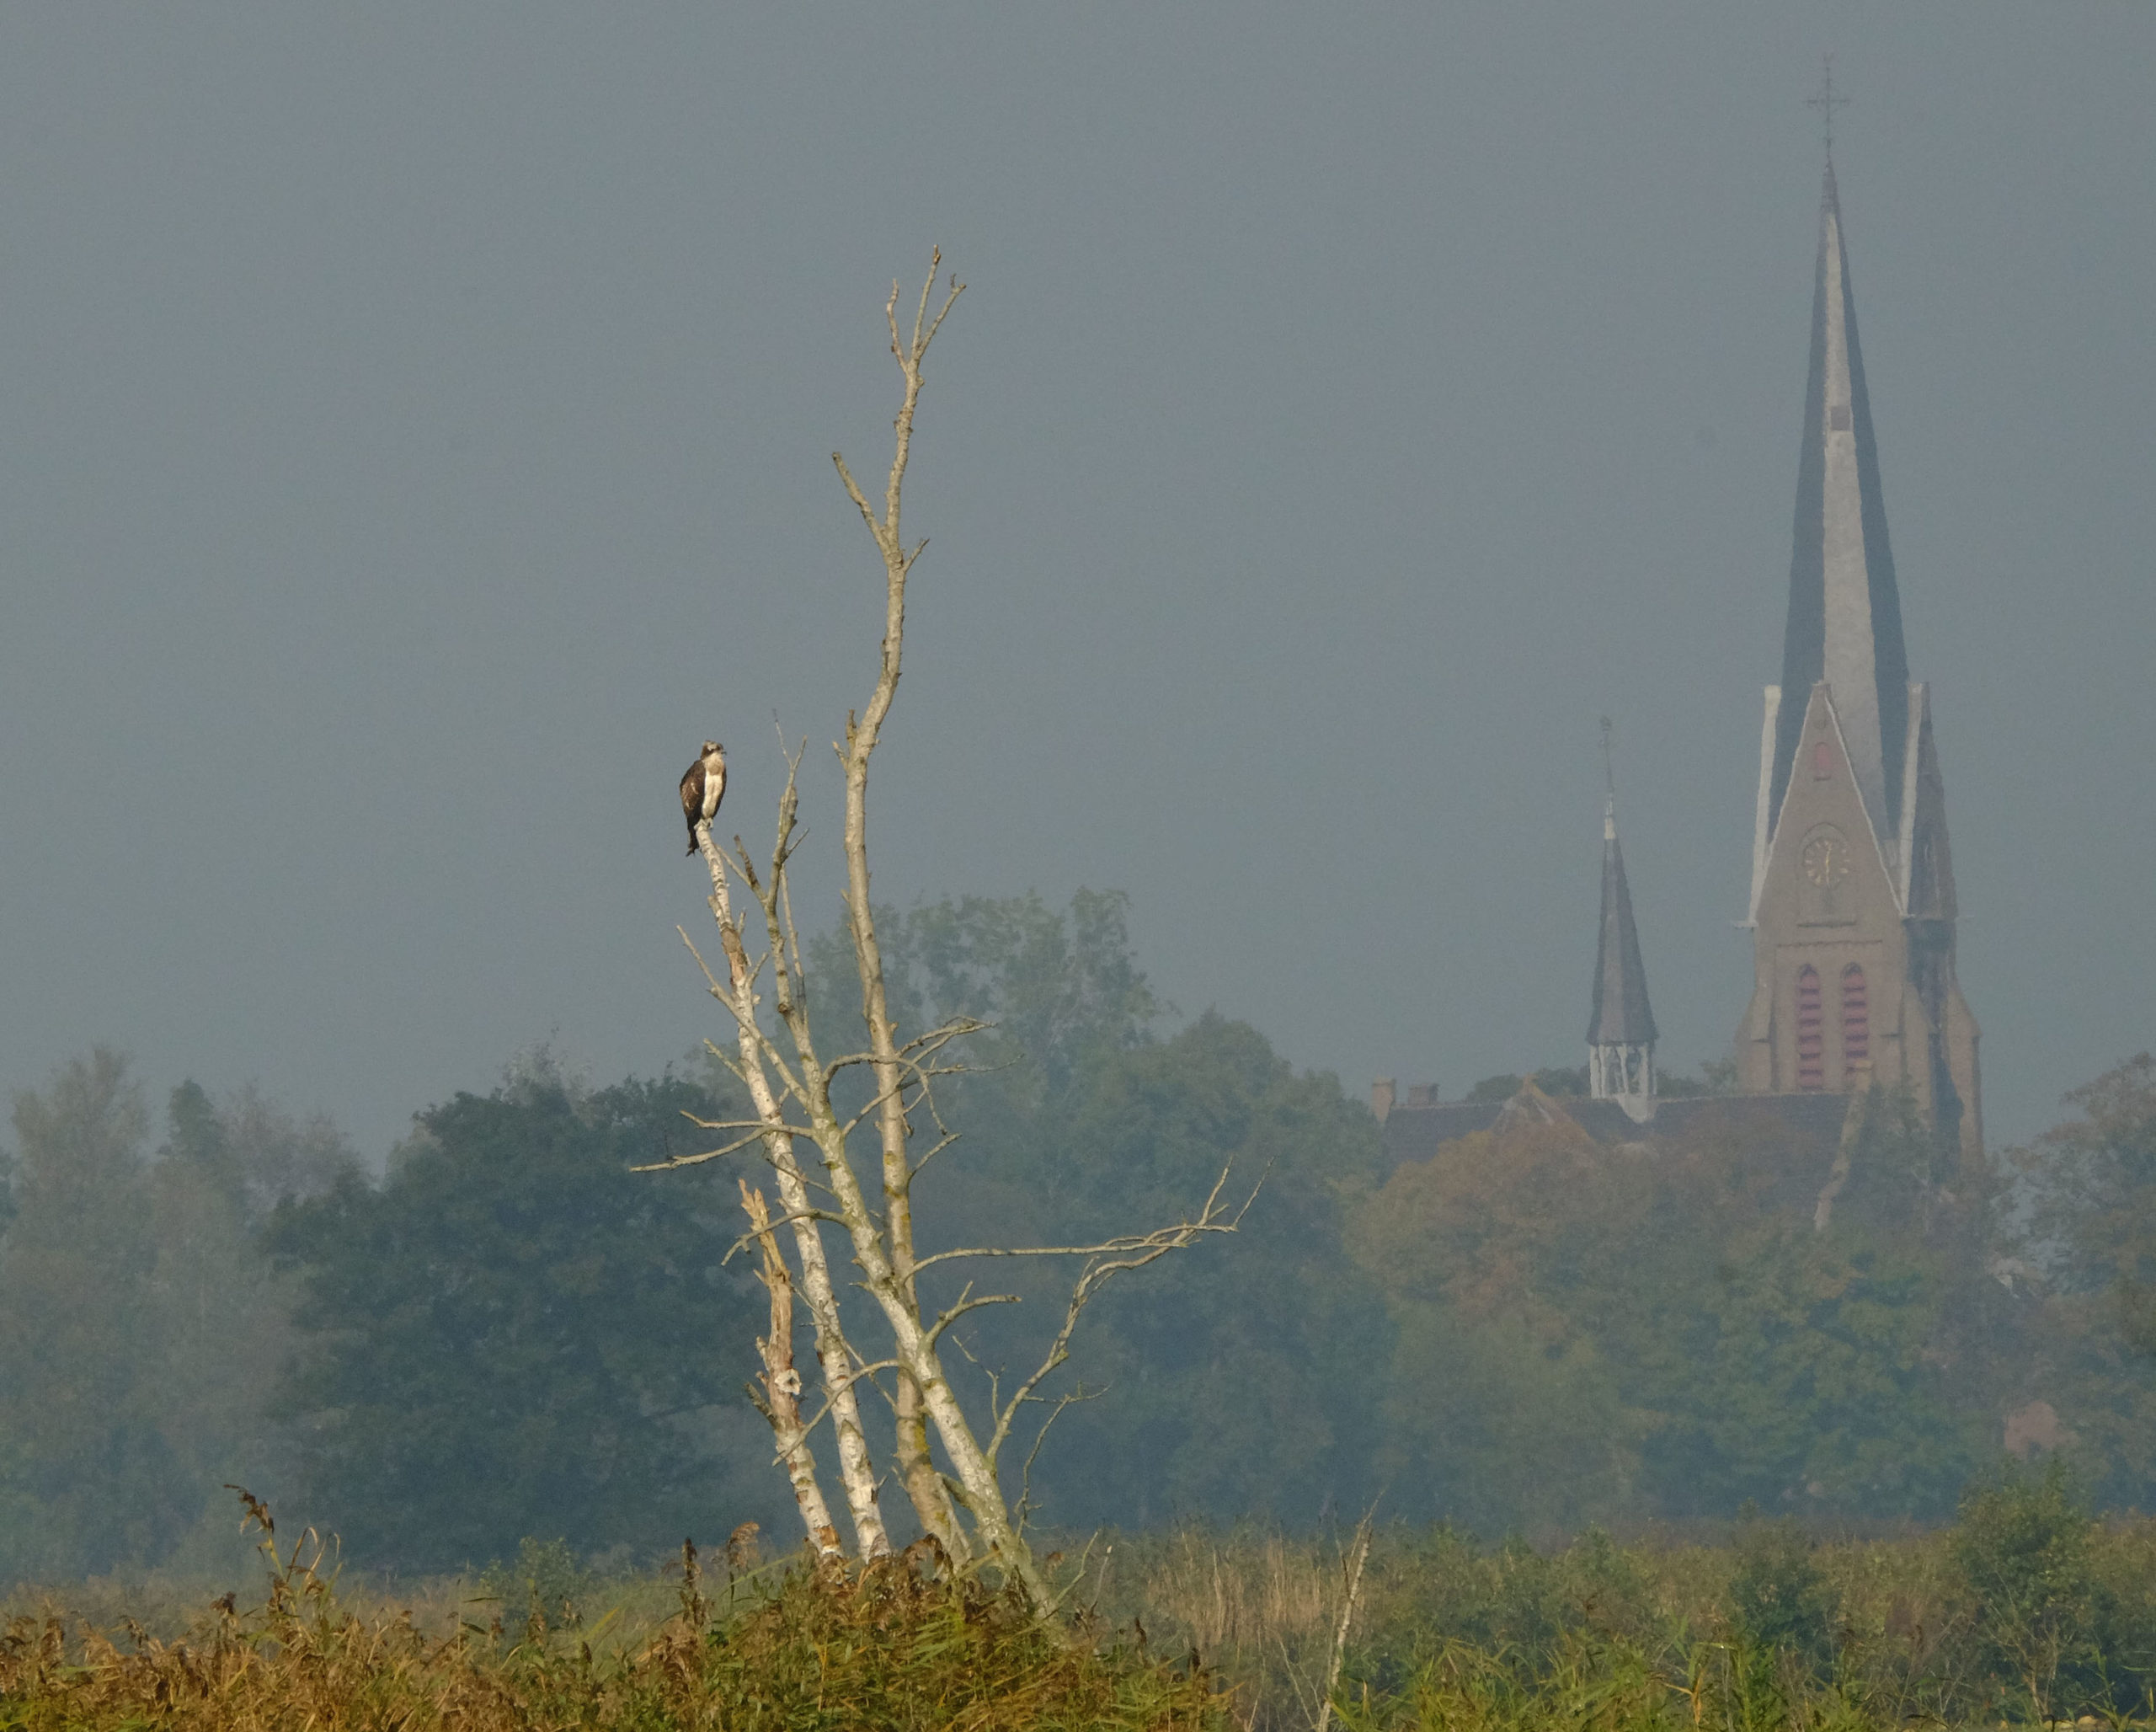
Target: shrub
x=2022, y=1549
x=1779, y=1598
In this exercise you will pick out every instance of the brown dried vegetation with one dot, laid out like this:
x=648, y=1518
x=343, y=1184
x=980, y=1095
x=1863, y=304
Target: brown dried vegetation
x=886, y=1644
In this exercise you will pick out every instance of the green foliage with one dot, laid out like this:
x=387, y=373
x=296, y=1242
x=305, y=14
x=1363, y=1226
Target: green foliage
x=2024, y=1548
x=1079, y=1123
x=1268, y=1335
x=512, y=1333
x=1778, y=1596
x=1585, y=1331
x=1532, y=1330
x=1814, y=1381
x=545, y=1581
x=515, y=1332
x=1766, y=1628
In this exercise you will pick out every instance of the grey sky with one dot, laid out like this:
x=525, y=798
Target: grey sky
x=413, y=438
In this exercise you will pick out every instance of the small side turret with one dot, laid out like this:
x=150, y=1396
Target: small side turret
x=1620, y=1033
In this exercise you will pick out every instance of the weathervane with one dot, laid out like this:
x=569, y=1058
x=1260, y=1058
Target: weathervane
x=1827, y=102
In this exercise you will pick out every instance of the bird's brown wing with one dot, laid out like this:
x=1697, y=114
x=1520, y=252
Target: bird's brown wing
x=692, y=791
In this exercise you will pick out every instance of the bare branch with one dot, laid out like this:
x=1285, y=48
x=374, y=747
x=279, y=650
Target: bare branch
x=717, y=1154
x=1134, y=1253
x=740, y=1000
x=1025, y=1507
x=745, y=1240
x=957, y=288
x=853, y=492
x=1211, y=1219
x=962, y=1307
x=942, y=1143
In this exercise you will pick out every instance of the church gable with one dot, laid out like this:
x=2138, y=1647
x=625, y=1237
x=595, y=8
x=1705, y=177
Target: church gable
x=1828, y=1007
x=1825, y=867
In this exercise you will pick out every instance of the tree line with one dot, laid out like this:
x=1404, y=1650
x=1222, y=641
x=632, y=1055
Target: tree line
x=510, y=1332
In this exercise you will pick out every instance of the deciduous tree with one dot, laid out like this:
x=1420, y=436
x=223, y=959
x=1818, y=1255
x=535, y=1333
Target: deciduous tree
x=513, y=1335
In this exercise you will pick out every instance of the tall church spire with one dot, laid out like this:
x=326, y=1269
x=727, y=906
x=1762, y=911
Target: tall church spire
x=1620, y=1033
x=1853, y=903
x=1844, y=613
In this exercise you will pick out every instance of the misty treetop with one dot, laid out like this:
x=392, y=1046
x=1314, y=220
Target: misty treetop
x=140, y=1324
x=2091, y=1237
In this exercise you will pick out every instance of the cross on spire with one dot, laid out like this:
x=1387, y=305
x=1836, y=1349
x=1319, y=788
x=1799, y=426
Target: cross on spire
x=1827, y=102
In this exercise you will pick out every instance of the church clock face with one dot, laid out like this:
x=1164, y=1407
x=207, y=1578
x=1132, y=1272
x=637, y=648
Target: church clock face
x=1825, y=860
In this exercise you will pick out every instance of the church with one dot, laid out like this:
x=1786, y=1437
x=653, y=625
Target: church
x=1851, y=911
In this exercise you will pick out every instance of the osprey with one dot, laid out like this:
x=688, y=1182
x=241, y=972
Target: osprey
x=703, y=787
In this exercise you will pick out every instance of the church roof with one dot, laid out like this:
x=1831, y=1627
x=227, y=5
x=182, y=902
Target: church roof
x=1809, y=1124
x=1621, y=1016
x=1845, y=611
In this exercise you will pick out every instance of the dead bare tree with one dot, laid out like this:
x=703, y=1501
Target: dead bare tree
x=791, y=1089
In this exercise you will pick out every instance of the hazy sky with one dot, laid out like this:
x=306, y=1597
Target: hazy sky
x=414, y=434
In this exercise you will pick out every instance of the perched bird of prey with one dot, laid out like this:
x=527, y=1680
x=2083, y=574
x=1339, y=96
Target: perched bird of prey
x=703, y=787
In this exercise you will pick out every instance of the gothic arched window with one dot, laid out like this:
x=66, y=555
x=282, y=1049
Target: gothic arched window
x=1822, y=761
x=1856, y=1023
x=1811, y=1044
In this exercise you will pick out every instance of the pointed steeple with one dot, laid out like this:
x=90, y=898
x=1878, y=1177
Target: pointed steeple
x=1621, y=1015
x=1621, y=1032
x=1845, y=613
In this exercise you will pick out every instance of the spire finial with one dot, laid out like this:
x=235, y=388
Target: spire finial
x=1827, y=102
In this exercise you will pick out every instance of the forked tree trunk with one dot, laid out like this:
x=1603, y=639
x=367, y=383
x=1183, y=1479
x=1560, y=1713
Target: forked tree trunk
x=856, y=1471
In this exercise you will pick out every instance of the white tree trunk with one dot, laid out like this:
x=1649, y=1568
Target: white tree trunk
x=833, y=1355
x=782, y=1397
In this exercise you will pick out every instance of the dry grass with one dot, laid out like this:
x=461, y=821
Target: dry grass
x=1263, y=1591
x=1446, y=1633
x=826, y=1649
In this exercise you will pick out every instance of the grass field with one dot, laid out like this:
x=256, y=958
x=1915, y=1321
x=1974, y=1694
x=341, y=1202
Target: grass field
x=2027, y=1612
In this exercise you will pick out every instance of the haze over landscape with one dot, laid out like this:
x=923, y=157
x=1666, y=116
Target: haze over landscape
x=414, y=434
